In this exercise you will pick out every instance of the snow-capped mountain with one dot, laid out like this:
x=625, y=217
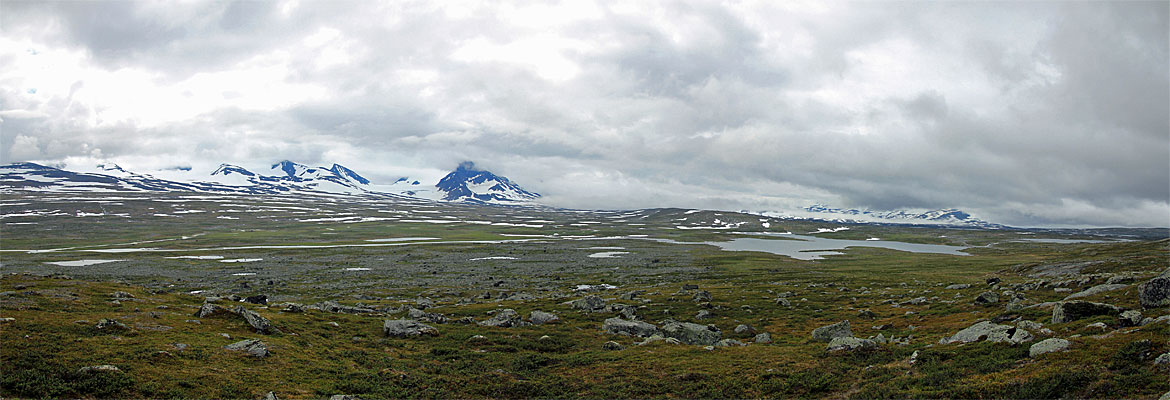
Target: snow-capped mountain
x=470, y=184
x=291, y=176
x=465, y=184
x=36, y=177
x=948, y=216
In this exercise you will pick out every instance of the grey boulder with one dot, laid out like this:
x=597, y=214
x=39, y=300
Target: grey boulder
x=1131, y=318
x=211, y=310
x=987, y=298
x=690, y=333
x=506, y=318
x=828, y=332
x=1068, y=311
x=992, y=332
x=541, y=317
x=1155, y=292
x=1048, y=346
x=850, y=343
x=620, y=326
x=254, y=347
x=1095, y=290
x=407, y=328
x=260, y=324
x=742, y=329
x=588, y=303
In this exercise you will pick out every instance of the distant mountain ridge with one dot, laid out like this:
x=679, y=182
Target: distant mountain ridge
x=294, y=176
x=465, y=184
x=946, y=216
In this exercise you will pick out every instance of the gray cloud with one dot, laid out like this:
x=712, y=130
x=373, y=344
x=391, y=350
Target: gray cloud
x=1028, y=113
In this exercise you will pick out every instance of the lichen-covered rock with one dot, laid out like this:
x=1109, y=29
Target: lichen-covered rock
x=590, y=303
x=211, y=310
x=612, y=345
x=690, y=333
x=1029, y=325
x=260, y=324
x=783, y=302
x=987, y=298
x=1021, y=336
x=506, y=318
x=958, y=286
x=254, y=347
x=849, y=343
x=763, y=338
x=982, y=330
x=1048, y=346
x=828, y=332
x=407, y=328
x=257, y=299
x=541, y=317
x=1074, y=310
x=704, y=314
x=1163, y=360
x=631, y=328
x=1095, y=290
x=1155, y=292
x=743, y=329
x=626, y=311
x=1130, y=318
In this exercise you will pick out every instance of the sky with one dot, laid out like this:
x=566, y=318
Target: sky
x=1020, y=113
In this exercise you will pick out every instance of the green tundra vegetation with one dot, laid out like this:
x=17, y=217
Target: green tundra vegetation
x=128, y=328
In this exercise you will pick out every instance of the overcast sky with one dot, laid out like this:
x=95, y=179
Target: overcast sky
x=1023, y=113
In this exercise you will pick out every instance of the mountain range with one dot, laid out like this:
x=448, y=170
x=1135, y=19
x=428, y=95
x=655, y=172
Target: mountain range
x=946, y=216
x=467, y=184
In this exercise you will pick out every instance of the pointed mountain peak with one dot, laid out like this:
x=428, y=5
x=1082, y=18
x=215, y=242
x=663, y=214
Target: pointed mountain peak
x=347, y=173
x=469, y=183
x=290, y=168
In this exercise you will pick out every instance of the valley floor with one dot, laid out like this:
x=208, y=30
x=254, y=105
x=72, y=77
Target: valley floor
x=647, y=319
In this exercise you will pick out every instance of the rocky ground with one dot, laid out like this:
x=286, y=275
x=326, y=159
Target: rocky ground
x=1013, y=320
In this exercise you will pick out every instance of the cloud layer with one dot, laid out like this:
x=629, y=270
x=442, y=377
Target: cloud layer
x=1050, y=114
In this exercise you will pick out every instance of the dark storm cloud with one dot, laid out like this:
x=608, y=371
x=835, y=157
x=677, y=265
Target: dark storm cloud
x=1021, y=113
